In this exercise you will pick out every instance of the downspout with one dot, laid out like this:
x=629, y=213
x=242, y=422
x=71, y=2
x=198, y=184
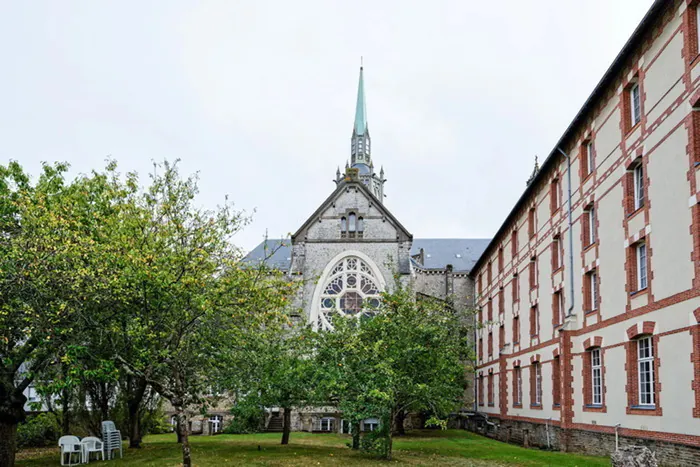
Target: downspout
x=571, y=236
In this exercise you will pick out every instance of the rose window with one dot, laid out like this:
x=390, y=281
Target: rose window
x=350, y=290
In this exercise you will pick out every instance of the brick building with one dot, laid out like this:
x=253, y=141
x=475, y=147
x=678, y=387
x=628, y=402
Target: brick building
x=590, y=314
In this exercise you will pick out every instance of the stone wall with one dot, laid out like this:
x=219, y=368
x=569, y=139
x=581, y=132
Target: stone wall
x=592, y=443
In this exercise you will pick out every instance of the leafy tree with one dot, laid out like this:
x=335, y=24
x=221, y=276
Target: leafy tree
x=279, y=371
x=192, y=304
x=53, y=268
x=409, y=357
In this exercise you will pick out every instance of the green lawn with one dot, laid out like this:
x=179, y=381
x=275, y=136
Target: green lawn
x=446, y=448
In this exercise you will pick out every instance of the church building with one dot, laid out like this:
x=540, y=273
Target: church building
x=588, y=296
x=351, y=247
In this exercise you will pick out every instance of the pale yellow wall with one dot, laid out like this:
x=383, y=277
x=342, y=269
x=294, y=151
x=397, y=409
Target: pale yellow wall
x=671, y=241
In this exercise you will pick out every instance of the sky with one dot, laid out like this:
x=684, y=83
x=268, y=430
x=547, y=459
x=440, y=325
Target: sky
x=258, y=97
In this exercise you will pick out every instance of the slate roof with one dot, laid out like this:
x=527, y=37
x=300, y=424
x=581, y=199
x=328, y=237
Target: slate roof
x=461, y=253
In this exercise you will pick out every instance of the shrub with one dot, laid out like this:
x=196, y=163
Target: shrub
x=38, y=431
x=247, y=418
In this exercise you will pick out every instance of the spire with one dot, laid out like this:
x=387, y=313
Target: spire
x=361, y=107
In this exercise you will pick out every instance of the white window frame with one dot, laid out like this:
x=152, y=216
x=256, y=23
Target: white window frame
x=638, y=186
x=635, y=104
x=327, y=421
x=538, y=383
x=642, y=279
x=596, y=377
x=370, y=424
x=645, y=371
x=593, y=278
x=589, y=157
x=591, y=225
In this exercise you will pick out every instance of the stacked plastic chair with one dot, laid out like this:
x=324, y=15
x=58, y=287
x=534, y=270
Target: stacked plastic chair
x=111, y=439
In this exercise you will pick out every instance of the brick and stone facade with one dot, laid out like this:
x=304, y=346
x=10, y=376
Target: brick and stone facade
x=622, y=279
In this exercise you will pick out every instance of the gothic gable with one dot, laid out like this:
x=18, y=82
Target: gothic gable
x=352, y=198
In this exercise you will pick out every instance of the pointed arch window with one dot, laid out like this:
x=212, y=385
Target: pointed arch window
x=351, y=290
x=352, y=226
x=343, y=227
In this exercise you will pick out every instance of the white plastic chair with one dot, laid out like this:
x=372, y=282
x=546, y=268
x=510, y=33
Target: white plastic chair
x=111, y=439
x=90, y=445
x=70, y=445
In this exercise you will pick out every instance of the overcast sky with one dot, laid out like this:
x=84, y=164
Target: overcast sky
x=259, y=96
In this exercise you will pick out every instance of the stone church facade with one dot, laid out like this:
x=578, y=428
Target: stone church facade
x=351, y=248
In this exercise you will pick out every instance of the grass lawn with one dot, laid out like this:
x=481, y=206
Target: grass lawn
x=445, y=448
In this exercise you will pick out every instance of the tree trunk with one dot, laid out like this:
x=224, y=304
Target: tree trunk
x=183, y=429
x=355, y=435
x=177, y=430
x=8, y=442
x=286, y=424
x=398, y=420
x=136, y=389
x=65, y=403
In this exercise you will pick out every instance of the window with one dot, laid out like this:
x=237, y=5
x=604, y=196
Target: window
x=554, y=195
x=514, y=243
x=588, y=161
x=371, y=424
x=501, y=303
x=500, y=260
x=343, y=227
x=501, y=336
x=536, y=384
x=490, y=344
x=641, y=266
x=556, y=253
x=352, y=223
x=326, y=424
x=516, y=329
x=489, y=316
x=216, y=423
x=515, y=287
x=481, y=315
x=481, y=349
x=533, y=272
x=534, y=321
x=481, y=389
x=591, y=291
x=638, y=186
x=489, y=273
x=635, y=104
x=596, y=377
x=481, y=284
x=531, y=222
x=351, y=290
x=645, y=371
x=173, y=423
x=557, y=308
x=360, y=227
x=490, y=400
x=556, y=382
x=518, y=386
x=588, y=221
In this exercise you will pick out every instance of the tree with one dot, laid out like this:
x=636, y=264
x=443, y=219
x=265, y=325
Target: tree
x=410, y=356
x=192, y=305
x=278, y=371
x=53, y=268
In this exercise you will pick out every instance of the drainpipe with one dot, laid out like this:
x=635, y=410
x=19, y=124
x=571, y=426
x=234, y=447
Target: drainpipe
x=571, y=236
x=617, y=442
